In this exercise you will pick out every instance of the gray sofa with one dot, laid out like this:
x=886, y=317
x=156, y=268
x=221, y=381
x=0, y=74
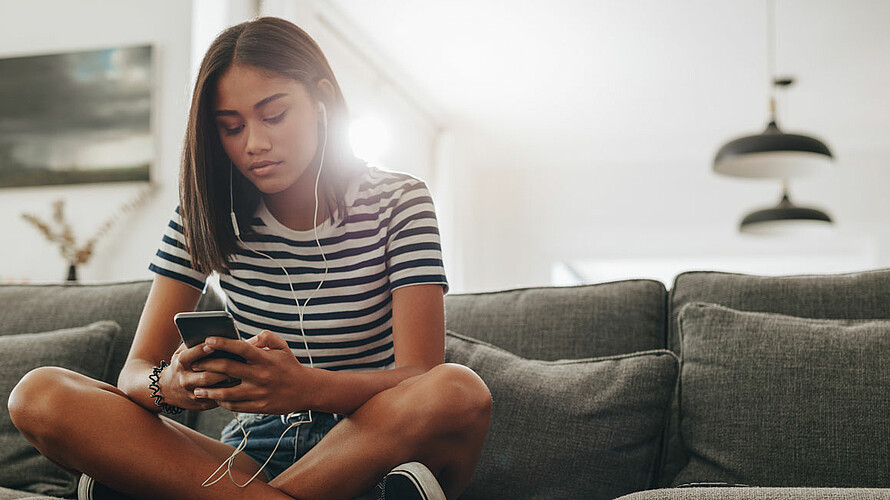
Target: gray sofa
x=728, y=386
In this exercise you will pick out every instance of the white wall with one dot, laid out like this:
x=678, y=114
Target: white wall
x=181, y=32
x=588, y=179
x=42, y=26
x=586, y=129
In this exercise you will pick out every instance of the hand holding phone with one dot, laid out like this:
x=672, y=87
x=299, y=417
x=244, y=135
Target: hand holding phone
x=195, y=327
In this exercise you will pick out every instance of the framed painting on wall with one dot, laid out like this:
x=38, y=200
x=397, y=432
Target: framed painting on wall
x=76, y=117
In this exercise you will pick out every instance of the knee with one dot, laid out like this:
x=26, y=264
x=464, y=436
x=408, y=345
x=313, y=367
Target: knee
x=37, y=402
x=461, y=397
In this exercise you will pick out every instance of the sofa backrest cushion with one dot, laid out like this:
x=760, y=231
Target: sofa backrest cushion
x=768, y=399
x=35, y=308
x=546, y=323
x=42, y=307
x=581, y=428
x=858, y=295
x=550, y=323
x=85, y=349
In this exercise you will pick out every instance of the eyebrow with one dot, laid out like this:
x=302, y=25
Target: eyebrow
x=228, y=112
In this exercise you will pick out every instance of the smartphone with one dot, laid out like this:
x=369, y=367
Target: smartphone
x=194, y=327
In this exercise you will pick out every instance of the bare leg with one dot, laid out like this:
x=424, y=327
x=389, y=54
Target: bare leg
x=89, y=426
x=439, y=418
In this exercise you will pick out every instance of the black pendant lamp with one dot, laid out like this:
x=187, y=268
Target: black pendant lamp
x=773, y=153
x=785, y=218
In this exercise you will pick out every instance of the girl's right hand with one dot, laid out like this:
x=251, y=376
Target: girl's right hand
x=178, y=381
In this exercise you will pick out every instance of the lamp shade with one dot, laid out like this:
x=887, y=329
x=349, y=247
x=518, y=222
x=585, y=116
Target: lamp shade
x=772, y=153
x=785, y=218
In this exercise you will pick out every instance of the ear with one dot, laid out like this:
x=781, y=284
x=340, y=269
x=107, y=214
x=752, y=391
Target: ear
x=325, y=91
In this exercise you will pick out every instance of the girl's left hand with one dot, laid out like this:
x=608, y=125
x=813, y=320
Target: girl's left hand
x=272, y=380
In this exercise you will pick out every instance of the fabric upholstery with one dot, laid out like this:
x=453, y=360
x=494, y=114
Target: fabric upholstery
x=858, y=295
x=34, y=308
x=775, y=400
x=8, y=494
x=550, y=323
x=754, y=493
x=585, y=428
x=86, y=350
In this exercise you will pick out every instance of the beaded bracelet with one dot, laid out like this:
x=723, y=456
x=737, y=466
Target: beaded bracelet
x=155, y=376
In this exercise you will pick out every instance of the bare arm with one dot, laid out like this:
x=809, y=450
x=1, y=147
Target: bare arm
x=275, y=382
x=157, y=338
x=418, y=325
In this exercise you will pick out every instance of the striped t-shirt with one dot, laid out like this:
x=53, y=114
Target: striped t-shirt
x=389, y=239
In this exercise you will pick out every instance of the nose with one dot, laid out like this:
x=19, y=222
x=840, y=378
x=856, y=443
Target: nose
x=257, y=141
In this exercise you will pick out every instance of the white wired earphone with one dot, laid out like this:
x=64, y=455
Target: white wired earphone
x=284, y=418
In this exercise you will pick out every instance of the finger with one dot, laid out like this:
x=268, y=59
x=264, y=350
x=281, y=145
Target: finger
x=192, y=354
x=240, y=347
x=204, y=379
x=268, y=339
x=225, y=394
x=181, y=348
x=230, y=367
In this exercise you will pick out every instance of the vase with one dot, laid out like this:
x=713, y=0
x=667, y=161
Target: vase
x=72, y=272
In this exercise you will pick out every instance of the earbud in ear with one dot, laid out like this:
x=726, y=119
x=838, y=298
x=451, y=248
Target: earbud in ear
x=324, y=113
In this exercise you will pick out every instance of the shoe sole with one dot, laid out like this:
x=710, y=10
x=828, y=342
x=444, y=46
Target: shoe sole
x=85, y=488
x=422, y=478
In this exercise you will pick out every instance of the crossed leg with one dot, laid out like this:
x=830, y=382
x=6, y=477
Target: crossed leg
x=86, y=425
x=439, y=418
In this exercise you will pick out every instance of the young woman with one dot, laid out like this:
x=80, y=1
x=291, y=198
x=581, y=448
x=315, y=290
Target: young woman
x=355, y=246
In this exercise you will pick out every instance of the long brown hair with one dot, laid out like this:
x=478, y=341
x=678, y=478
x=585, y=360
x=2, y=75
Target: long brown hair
x=280, y=48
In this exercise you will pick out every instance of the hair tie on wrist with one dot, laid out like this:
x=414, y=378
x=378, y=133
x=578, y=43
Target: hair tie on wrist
x=155, y=376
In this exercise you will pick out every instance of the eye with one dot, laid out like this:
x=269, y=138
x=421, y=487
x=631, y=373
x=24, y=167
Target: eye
x=276, y=119
x=233, y=131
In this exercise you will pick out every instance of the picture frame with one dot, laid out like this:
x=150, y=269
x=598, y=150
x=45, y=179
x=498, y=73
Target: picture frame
x=77, y=117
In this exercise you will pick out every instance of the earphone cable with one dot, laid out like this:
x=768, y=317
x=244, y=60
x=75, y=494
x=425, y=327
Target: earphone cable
x=228, y=462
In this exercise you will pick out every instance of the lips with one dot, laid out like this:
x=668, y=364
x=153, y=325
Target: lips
x=261, y=164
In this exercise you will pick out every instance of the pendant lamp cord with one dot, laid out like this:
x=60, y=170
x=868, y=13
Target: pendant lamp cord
x=771, y=55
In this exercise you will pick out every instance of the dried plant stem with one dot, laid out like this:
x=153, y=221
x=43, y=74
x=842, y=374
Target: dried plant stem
x=63, y=235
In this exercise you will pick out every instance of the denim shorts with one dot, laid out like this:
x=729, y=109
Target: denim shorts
x=265, y=431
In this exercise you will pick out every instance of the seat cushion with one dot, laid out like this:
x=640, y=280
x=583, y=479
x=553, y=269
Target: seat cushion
x=769, y=399
x=8, y=494
x=583, y=428
x=754, y=493
x=550, y=323
x=86, y=350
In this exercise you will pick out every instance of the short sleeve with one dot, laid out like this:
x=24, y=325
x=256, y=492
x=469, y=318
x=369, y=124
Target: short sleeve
x=172, y=260
x=413, y=248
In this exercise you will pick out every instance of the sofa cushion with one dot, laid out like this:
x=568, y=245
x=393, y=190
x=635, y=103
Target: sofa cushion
x=36, y=308
x=858, y=295
x=86, y=350
x=754, y=493
x=550, y=323
x=8, y=494
x=774, y=400
x=584, y=428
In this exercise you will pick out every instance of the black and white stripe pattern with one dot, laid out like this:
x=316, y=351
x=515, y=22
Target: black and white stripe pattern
x=390, y=239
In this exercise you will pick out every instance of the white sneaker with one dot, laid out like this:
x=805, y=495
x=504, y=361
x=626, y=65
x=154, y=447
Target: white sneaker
x=85, y=487
x=89, y=489
x=412, y=481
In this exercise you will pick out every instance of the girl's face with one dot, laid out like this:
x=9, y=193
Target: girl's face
x=262, y=119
